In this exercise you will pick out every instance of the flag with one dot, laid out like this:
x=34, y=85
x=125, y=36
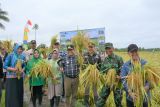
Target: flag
x=26, y=29
x=29, y=23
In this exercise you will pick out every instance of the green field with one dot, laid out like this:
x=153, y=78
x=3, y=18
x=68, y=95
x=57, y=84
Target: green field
x=149, y=56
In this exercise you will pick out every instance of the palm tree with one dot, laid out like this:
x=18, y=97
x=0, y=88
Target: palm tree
x=3, y=16
x=35, y=27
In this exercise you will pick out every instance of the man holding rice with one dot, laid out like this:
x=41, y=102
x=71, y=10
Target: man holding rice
x=127, y=69
x=111, y=61
x=91, y=57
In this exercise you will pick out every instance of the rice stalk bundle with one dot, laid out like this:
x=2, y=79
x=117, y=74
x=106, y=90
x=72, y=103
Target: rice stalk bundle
x=81, y=89
x=53, y=41
x=7, y=45
x=110, y=101
x=42, y=69
x=80, y=41
x=110, y=79
x=152, y=75
x=135, y=82
x=19, y=68
x=155, y=95
x=91, y=76
x=43, y=50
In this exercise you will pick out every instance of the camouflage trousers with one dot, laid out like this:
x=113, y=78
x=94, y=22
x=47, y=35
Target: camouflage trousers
x=105, y=92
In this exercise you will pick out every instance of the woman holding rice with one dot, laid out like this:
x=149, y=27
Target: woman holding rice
x=14, y=65
x=55, y=87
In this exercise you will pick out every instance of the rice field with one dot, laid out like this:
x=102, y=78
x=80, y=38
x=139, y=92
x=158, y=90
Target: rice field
x=150, y=57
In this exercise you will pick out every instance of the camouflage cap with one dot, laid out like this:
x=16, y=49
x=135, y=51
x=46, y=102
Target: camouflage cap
x=91, y=44
x=108, y=45
x=70, y=47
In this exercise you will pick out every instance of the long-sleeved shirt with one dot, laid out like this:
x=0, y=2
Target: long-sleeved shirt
x=70, y=66
x=92, y=59
x=112, y=61
x=11, y=61
x=125, y=71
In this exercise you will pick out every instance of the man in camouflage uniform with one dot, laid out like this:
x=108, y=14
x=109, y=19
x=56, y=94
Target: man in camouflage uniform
x=91, y=57
x=111, y=61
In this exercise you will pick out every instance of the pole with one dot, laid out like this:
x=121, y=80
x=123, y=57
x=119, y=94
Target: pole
x=35, y=36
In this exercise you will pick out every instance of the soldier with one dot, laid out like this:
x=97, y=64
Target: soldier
x=91, y=57
x=111, y=61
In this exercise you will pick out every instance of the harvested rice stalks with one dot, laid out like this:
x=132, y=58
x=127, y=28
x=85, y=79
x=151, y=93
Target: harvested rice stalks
x=80, y=41
x=136, y=83
x=155, y=95
x=7, y=45
x=19, y=68
x=110, y=101
x=152, y=75
x=81, y=89
x=53, y=41
x=42, y=69
x=91, y=76
x=110, y=79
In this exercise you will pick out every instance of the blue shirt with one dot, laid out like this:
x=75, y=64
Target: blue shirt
x=125, y=71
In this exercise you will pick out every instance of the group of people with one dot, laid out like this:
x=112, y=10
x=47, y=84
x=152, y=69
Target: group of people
x=66, y=70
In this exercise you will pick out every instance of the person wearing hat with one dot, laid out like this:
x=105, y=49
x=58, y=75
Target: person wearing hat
x=111, y=61
x=70, y=67
x=56, y=45
x=126, y=70
x=29, y=53
x=91, y=57
x=55, y=89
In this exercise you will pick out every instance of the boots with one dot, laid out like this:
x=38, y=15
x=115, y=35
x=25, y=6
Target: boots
x=57, y=101
x=52, y=102
x=86, y=100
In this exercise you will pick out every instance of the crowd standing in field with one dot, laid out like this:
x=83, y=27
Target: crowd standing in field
x=66, y=70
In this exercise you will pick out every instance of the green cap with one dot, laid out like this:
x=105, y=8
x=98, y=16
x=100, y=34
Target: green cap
x=108, y=45
x=70, y=47
x=91, y=44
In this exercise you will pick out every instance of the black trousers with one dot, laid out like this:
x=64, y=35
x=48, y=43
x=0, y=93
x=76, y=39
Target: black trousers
x=14, y=92
x=37, y=93
x=131, y=104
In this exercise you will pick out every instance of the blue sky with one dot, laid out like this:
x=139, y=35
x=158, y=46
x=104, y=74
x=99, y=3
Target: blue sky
x=126, y=21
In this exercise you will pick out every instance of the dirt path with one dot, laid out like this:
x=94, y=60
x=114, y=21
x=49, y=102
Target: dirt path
x=28, y=103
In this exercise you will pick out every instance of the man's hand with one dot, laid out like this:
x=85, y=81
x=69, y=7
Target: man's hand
x=61, y=69
x=146, y=88
x=133, y=95
x=118, y=77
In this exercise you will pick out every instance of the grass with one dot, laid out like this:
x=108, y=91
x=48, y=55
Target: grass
x=3, y=99
x=149, y=56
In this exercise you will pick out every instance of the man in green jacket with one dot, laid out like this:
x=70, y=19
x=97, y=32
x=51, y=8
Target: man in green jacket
x=111, y=61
